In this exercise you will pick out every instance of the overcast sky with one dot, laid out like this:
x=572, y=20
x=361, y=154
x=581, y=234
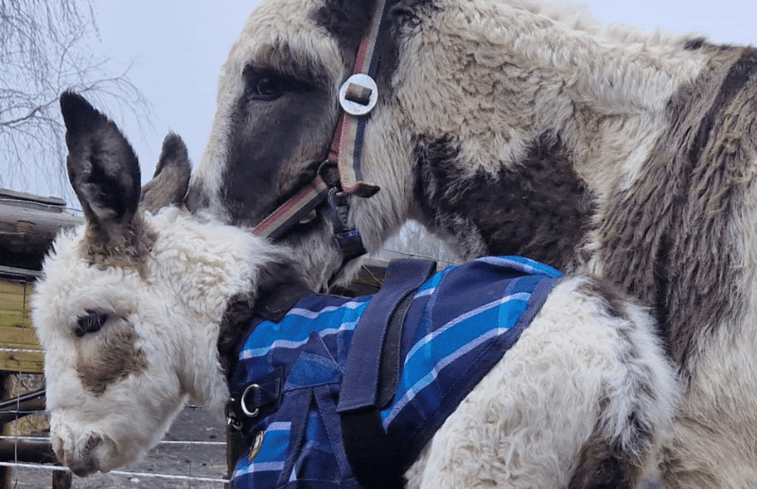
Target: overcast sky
x=176, y=48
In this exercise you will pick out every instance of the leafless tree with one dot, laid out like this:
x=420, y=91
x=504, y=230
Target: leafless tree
x=45, y=48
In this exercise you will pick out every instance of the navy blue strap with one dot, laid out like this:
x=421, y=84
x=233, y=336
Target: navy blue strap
x=257, y=398
x=370, y=377
x=361, y=374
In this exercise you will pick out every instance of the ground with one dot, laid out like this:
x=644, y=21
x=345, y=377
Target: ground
x=206, y=460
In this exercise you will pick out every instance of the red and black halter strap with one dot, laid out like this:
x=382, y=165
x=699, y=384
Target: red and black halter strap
x=357, y=96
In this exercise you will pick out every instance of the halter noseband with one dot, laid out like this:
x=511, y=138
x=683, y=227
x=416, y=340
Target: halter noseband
x=357, y=97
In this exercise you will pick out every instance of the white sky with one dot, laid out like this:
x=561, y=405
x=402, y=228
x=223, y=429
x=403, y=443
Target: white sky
x=176, y=48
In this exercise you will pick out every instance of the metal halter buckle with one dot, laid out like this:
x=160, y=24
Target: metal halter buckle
x=231, y=418
x=358, y=95
x=243, y=404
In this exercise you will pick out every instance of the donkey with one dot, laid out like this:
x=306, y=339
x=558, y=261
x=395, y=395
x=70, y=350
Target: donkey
x=524, y=127
x=135, y=305
x=131, y=302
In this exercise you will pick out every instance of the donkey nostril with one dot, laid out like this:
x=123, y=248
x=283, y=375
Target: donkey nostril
x=92, y=444
x=85, y=464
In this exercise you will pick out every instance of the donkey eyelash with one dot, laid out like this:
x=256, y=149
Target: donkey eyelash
x=267, y=85
x=91, y=323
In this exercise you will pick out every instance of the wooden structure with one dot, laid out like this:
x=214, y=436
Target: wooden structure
x=20, y=351
x=28, y=225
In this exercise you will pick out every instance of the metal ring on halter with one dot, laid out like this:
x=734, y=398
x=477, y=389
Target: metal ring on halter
x=243, y=404
x=358, y=95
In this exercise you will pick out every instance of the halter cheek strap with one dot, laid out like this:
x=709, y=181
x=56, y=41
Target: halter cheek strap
x=357, y=97
x=311, y=196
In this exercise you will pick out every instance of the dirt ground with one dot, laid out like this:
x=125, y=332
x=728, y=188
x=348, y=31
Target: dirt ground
x=206, y=460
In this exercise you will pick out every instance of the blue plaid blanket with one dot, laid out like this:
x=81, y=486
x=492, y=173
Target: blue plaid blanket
x=459, y=324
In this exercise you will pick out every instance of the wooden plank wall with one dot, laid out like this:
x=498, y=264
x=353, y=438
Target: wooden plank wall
x=19, y=348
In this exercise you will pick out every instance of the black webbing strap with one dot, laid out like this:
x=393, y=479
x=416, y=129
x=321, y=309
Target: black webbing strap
x=371, y=375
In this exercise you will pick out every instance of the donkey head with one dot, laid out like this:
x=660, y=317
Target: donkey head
x=278, y=108
x=106, y=310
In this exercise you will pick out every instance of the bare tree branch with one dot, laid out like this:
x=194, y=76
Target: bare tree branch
x=29, y=115
x=46, y=48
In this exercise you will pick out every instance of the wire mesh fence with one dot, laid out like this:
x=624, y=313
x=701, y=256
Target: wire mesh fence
x=192, y=455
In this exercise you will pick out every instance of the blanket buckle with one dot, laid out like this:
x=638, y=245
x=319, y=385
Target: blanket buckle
x=243, y=404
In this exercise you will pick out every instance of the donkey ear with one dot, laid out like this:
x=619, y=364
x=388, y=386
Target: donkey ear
x=102, y=167
x=171, y=179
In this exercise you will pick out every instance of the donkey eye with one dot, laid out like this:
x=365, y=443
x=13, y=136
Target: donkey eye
x=267, y=85
x=268, y=88
x=90, y=323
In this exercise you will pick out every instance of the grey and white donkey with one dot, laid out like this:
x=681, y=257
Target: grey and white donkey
x=133, y=303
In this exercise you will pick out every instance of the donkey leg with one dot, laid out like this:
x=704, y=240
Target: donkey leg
x=577, y=402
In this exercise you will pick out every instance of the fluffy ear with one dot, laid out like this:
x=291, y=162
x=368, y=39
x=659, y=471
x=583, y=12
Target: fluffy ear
x=103, y=171
x=171, y=179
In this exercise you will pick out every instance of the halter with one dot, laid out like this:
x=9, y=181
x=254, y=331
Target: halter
x=358, y=96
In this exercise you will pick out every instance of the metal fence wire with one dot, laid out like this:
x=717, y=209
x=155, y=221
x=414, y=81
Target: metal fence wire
x=191, y=455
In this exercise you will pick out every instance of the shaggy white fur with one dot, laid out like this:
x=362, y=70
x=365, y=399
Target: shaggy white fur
x=174, y=309
x=523, y=426
x=568, y=374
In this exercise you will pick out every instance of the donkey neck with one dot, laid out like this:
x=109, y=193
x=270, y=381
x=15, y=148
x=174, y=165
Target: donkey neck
x=497, y=76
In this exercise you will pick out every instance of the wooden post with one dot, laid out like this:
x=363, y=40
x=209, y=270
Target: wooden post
x=62, y=479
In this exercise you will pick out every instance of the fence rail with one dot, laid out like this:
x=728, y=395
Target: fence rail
x=195, y=462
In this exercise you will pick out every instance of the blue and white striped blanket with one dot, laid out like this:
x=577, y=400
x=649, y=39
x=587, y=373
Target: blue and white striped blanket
x=460, y=323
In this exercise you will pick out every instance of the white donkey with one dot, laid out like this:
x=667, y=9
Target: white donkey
x=132, y=306
x=129, y=310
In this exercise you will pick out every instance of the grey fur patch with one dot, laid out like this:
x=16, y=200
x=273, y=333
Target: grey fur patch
x=235, y=326
x=117, y=358
x=539, y=209
x=695, y=44
x=602, y=467
x=346, y=21
x=641, y=378
x=613, y=298
x=279, y=284
x=666, y=239
x=125, y=249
